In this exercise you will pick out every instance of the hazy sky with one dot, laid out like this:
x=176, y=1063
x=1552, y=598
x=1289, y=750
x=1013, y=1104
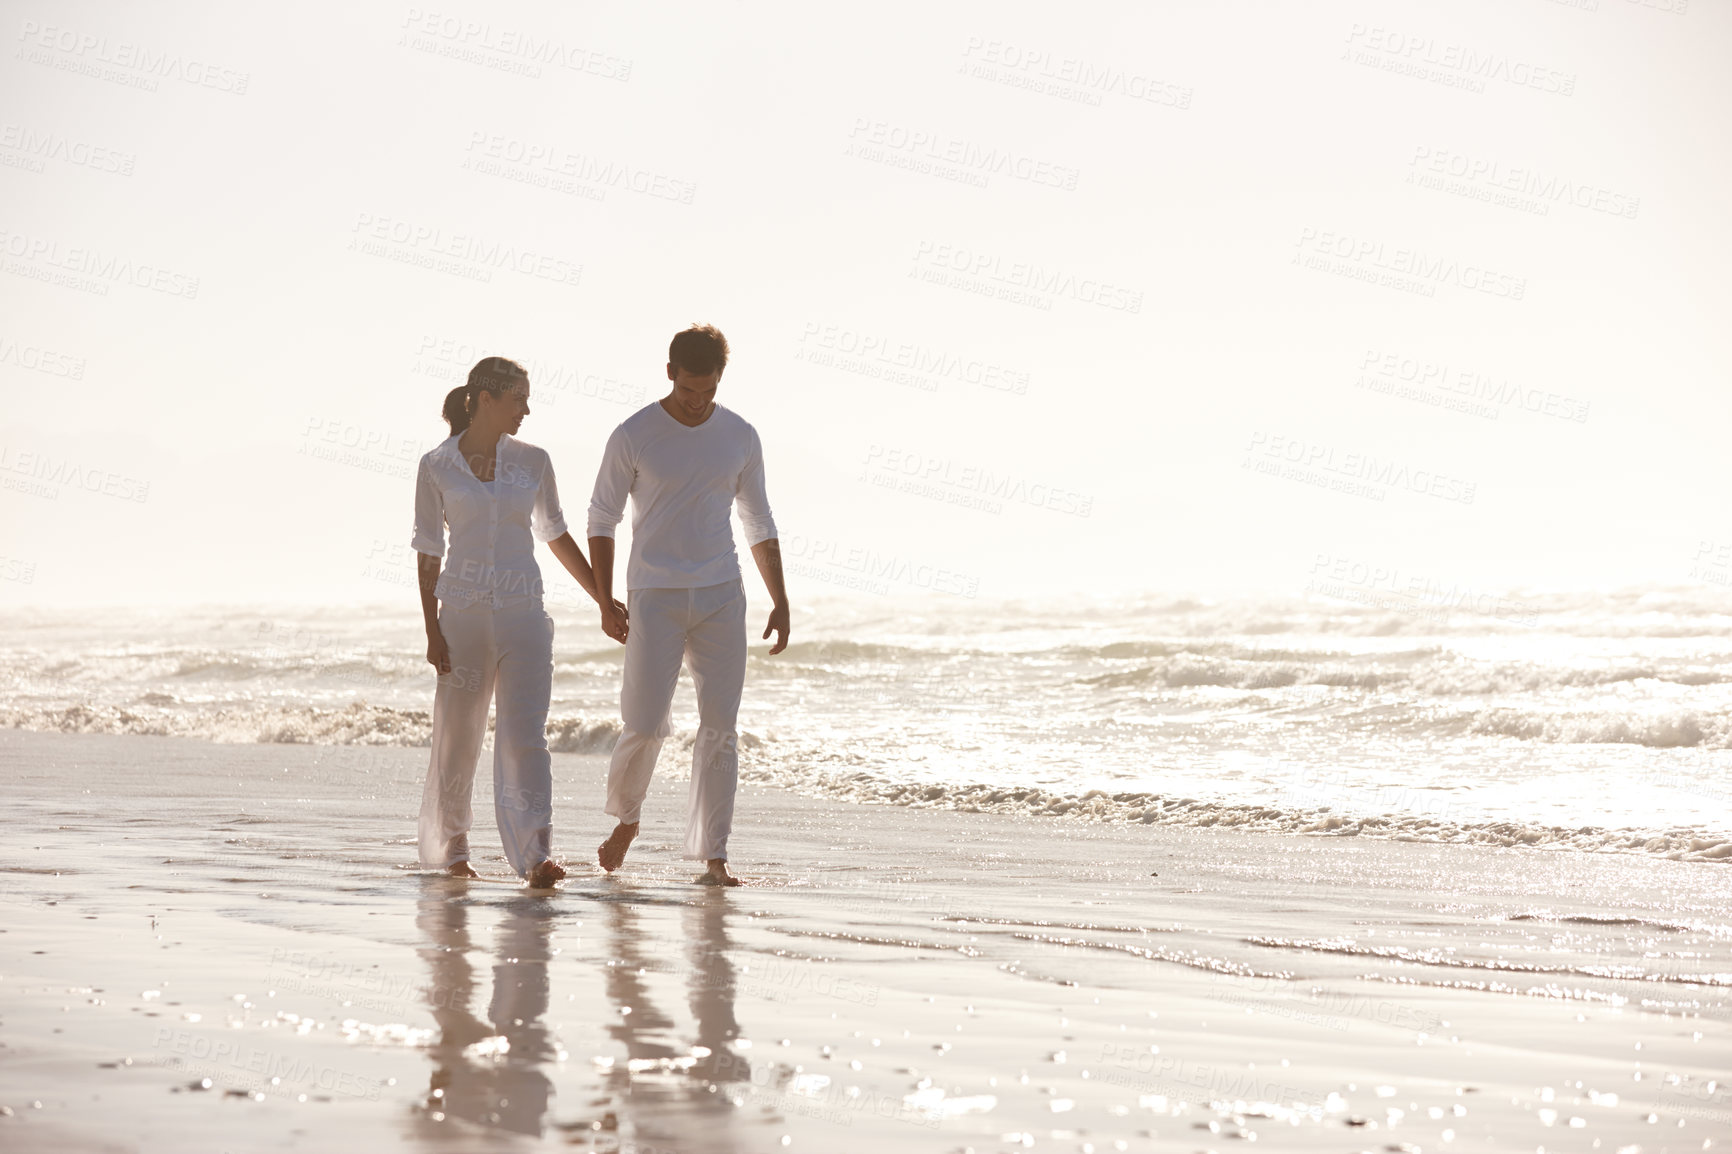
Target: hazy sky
x=1022, y=298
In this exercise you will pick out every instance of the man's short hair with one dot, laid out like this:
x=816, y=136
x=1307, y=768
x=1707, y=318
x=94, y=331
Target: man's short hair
x=699, y=350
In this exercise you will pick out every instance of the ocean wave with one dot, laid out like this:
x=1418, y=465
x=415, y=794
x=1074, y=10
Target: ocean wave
x=1188, y=670
x=1679, y=730
x=1155, y=809
x=785, y=764
x=1656, y=970
x=357, y=724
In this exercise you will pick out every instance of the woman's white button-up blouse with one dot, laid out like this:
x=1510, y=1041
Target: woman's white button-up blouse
x=493, y=528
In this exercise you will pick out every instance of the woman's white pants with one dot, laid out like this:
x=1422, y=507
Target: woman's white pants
x=509, y=650
x=706, y=628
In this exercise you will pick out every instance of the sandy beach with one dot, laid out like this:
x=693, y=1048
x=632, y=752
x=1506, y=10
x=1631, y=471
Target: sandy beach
x=216, y=947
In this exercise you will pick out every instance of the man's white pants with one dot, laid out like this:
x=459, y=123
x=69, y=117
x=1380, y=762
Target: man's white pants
x=511, y=651
x=707, y=628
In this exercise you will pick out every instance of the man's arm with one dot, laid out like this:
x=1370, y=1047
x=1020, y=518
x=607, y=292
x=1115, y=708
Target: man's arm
x=601, y=566
x=755, y=518
x=768, y=555
x=613, y=482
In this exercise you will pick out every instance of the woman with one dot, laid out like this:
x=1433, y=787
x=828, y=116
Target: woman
x=486, y=628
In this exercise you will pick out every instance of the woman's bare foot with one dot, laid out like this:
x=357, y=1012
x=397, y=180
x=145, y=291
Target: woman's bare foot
x=543, y=874
x=612, y=851
x=716, y=873
x=461, y=869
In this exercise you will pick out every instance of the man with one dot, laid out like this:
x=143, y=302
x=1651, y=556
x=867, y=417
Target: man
x=684, y=461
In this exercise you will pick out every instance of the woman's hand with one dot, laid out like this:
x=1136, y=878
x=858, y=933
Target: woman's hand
x=613, y=621
x=438, y=653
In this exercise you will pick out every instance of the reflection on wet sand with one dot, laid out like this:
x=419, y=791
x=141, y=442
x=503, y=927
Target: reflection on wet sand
x=671, y=1092
x=489, y=1073
x=677, y=1096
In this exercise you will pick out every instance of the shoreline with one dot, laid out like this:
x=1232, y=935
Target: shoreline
x=894, y=978
x=1296, y=812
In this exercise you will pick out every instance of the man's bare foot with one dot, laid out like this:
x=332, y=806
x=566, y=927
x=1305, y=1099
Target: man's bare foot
x=716, y=874
x=461, y=869
x=612, y=851
x=543, y=874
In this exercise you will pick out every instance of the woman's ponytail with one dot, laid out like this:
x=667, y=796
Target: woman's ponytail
x=492, y=374
x=457, y=409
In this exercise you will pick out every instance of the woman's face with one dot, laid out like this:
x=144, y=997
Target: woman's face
x=506, y=410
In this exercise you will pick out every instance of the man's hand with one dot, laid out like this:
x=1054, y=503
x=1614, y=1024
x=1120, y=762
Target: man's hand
x=779, y=626
x=613, y=621
x=768, y=554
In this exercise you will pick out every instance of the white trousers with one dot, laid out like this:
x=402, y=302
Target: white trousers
x=707, y=628
x=511, y=651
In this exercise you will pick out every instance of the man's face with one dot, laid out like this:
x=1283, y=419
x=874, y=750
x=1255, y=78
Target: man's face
x=692, y=393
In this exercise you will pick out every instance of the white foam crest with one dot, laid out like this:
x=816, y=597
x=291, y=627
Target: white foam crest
x=1155, y=809
x=1674, y=730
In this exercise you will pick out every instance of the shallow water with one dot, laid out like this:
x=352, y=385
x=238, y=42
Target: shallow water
x=1594, y=721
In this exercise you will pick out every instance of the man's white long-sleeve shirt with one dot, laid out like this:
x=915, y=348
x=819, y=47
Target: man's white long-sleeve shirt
x=682, y=480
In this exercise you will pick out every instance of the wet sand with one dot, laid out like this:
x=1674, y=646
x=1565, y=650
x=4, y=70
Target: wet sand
x=221, y=947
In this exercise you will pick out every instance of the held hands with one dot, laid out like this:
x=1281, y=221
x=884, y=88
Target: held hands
x=613, y=621
x=779, y=626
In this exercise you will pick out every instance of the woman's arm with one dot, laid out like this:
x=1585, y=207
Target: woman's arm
x=570, y=554
x=427, y=569
x=429, y=546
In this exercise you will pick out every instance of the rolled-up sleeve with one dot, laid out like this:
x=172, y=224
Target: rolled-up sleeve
x=546, y=519
x=750, y=497
x=429, y=513
x=612, y=486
